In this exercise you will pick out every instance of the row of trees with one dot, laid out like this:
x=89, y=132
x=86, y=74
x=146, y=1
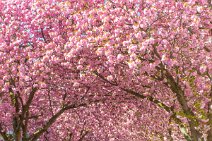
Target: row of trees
x=77, y=70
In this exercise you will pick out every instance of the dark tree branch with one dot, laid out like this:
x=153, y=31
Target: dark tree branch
x=25, y=113
x=83, y=135
x=4, y=134
x=44, y=38
x=44, y=128
x=50, y=103
x=150, y=98
x=29, y=101
x=209, y=137
x=176, y=88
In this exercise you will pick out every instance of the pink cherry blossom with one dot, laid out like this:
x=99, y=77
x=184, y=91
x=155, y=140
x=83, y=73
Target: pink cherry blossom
x=103, y=70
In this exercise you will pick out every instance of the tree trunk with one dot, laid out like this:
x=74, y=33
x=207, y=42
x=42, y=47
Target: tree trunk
x=209, y=137
x=195, y=135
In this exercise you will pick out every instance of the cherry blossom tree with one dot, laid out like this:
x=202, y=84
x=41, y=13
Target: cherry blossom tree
x=105, y=70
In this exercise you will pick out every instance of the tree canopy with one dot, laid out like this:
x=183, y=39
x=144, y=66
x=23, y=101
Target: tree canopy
x=105, y=70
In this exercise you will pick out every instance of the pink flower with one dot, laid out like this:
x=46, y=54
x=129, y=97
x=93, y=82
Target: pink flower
x=133, y=48
x=138, y=36
x=79, y=67
x=202, y=68
x=111, y=59
x=120, y=57
x=163, y=58
x=100, y=51
x=132, y=65
x=76, y=84
x=126, y=43
x=111, y=69
x=45, y=58
x=110, y=78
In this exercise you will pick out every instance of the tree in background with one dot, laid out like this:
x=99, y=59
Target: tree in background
x=105, y=70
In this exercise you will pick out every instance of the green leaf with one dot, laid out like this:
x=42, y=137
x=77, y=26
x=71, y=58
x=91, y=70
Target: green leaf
x=185, y=134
